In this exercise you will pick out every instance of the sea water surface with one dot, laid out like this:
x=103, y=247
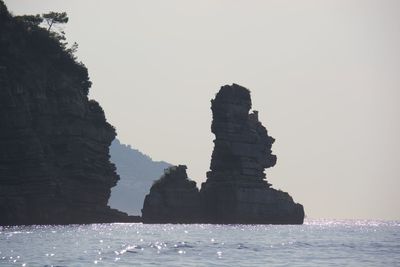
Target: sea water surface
x=316, y=243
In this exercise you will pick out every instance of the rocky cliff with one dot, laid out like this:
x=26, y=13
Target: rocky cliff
x=236, y=190
x=54, y=141
x=173, y=199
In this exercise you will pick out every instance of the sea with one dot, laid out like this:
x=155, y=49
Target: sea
x=315, y=243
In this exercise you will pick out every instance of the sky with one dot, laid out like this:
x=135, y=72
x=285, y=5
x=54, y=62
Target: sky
x=324, y=76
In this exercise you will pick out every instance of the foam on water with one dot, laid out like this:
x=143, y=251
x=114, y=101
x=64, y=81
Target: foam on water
x=316, y=243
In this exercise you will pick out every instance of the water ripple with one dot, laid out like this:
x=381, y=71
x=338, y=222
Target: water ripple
x=316, y=243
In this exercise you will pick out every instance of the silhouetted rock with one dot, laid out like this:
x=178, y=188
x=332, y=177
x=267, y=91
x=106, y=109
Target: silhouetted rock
x=137, y=172
x=236, y=190
x=172, y=199
x=54, y=141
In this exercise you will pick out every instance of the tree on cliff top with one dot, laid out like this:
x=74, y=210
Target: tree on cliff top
x=37, y=38
x=52, y=18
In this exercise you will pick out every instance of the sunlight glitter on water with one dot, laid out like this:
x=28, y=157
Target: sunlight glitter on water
x=328, y=222
x=316, y=243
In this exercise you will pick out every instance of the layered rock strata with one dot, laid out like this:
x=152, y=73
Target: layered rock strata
x=174, y=198
x=54, y=141
x=236, y=190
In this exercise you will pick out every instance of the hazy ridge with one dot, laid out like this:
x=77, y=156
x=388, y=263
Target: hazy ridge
x=137, y=172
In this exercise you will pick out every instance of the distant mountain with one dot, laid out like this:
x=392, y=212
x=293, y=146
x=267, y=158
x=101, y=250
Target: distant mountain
x=138, y=172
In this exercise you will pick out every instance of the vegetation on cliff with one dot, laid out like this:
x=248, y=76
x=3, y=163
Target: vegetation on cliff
x=24, y=42
x=54, y=142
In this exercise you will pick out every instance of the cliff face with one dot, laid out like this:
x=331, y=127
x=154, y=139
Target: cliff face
x=54, y=142
x=236, y=191
x=242, y=147
x=173, y=199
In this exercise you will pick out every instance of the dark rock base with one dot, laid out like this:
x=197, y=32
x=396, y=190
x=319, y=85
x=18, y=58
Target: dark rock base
x=174, y=198
x=232, y=204
x=81, y=216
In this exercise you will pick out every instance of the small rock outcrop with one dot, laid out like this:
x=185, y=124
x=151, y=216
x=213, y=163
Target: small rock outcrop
x=236, y=190
x=54, y=141
x=172, y=199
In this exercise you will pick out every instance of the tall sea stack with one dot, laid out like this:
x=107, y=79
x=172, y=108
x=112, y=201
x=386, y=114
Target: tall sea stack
x=54, y=141
x=236, y=190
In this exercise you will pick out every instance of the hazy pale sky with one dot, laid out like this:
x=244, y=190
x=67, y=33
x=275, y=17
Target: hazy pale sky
x=324, y=75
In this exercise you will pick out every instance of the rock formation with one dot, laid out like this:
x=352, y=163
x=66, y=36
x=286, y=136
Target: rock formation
x=172, y=199
x=236, y=190
x=54, y=141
